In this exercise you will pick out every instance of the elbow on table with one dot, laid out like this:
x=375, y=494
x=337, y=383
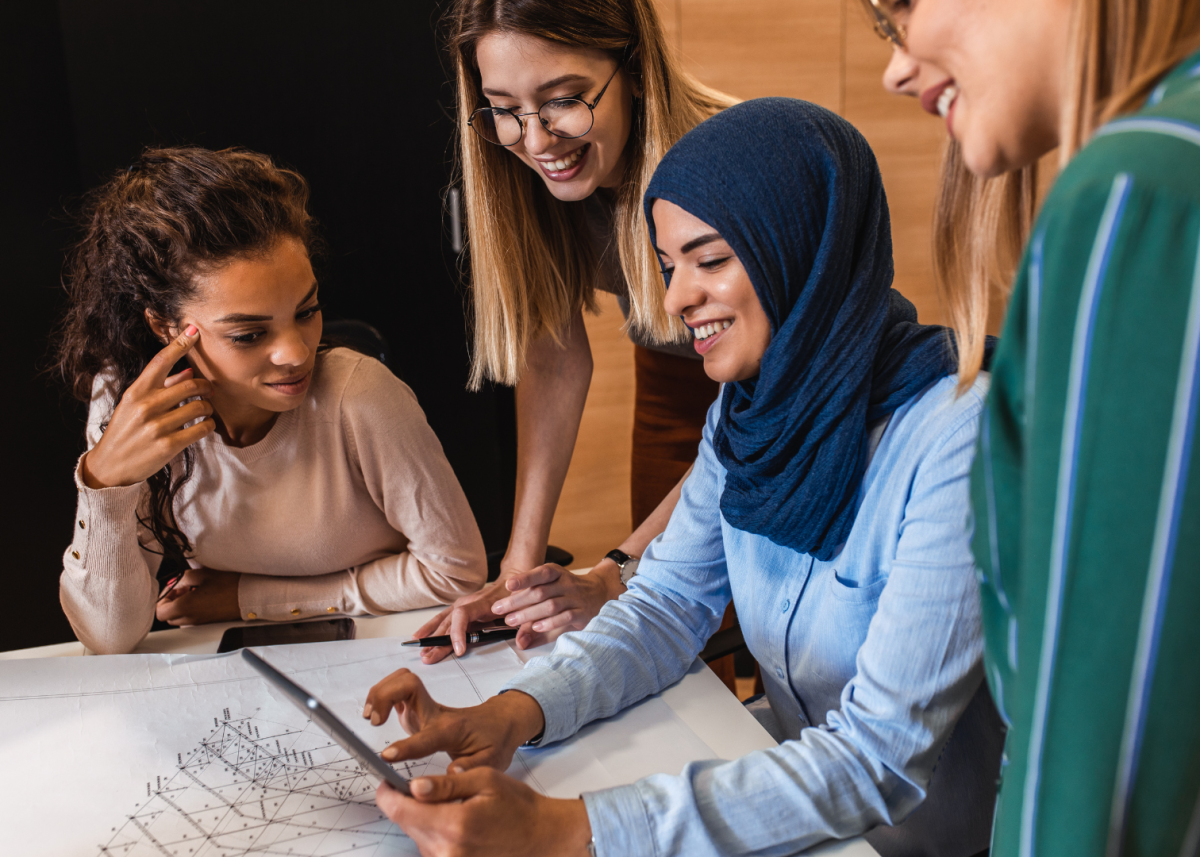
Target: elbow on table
x=102, y=630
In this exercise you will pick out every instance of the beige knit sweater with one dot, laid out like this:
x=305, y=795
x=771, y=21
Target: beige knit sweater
x=347, y=506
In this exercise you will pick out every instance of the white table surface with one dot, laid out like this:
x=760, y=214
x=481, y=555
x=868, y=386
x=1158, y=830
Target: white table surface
x=700, y=699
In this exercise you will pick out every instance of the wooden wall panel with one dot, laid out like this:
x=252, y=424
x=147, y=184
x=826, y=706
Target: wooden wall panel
x=908, y=143
x=668, y=13
x=754, y=48
x=593, y=514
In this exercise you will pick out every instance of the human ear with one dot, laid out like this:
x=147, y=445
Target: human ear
x=163, y=330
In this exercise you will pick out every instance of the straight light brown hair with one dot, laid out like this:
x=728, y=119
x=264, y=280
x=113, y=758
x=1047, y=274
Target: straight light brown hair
x=1119, y=51
x=532, y=264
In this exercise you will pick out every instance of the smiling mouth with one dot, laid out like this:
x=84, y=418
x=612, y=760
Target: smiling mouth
x=706, y=331
x=946, y=100
x=567, y=163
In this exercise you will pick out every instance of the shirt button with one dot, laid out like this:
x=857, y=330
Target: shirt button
x=82, y=525
x=330, y=609
x=786, y=604
x=75, y=554
x=251, y=615
x=295, y=611
x=779, y=671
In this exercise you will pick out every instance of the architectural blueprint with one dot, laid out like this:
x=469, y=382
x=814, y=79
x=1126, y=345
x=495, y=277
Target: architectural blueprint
x=254, y=785
x=197, y=756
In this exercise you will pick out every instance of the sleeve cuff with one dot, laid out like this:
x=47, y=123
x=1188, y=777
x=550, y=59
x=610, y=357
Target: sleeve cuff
x=619, y=823
x=283, y=599
x=553, y=694
x=104, y=507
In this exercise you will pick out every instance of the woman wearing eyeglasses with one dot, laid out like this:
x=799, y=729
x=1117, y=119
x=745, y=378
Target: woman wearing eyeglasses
x=565, y=108
x=1086, y=487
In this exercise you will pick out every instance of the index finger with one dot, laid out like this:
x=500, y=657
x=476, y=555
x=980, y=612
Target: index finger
x=160, y=364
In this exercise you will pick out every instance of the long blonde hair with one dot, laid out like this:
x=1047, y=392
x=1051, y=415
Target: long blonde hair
x=980, y=226
x=1119, y=50
x=532, y=264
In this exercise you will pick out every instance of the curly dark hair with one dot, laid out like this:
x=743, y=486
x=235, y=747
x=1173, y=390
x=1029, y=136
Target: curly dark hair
x=148, y=232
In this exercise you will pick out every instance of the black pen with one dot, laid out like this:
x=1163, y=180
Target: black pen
x=487, y=635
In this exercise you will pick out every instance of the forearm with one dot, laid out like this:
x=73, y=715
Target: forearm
x=635, y=544
x=387, y=585
x=635, y=647
x=107, y=589
x=778, y=801
x=550, y=400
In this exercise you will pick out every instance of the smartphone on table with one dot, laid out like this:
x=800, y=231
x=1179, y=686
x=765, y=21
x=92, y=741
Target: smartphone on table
x=286, y=633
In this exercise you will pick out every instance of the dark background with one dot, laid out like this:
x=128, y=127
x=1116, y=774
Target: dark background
x=353, y=96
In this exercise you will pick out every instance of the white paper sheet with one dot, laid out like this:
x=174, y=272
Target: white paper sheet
x=197, y=756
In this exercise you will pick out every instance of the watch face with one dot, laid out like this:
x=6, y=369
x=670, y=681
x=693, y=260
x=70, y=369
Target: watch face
x=628, y=570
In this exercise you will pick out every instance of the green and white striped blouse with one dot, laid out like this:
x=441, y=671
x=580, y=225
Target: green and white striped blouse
x=1087, y=501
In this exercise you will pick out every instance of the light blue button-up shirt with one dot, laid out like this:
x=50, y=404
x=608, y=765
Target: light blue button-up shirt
x=869, y=661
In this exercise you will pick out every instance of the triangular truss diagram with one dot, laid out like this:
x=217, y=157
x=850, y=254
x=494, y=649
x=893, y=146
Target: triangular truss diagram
x=255, y=786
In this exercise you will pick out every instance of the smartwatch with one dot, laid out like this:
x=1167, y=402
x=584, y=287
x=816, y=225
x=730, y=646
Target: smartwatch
x=628, y=564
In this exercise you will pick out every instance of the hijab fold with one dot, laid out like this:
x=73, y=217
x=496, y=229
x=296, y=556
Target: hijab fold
x=795, y=191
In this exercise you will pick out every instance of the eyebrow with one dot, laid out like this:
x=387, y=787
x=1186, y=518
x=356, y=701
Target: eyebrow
x=550, y=84
x=699, y=242
x=241, y=317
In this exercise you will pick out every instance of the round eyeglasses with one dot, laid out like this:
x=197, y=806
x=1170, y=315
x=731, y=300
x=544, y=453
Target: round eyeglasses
x=886, y=25
x=567, y=118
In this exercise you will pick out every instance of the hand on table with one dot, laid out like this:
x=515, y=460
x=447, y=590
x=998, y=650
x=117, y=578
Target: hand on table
x=487, y=734
x=468, y=612
x=149, y=426
x=487, y=813
x=201, y=596
x=549, y=600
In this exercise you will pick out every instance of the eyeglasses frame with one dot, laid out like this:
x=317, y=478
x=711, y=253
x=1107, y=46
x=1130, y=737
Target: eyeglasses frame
x=886, y=26
x=591, y=109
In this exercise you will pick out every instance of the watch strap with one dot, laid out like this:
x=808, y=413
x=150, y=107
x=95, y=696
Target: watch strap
x=618, y=556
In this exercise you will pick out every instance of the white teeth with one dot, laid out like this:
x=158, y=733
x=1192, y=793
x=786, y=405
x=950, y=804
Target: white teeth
x=946, y=99
x=704, y=331
x=564, y=163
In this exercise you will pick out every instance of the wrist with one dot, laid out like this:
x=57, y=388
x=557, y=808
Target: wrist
x=88, y=472
x=567, y=828
x=521, y=712
x=609, y=573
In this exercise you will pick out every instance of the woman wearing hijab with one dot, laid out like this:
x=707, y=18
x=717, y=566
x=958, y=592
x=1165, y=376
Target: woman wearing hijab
x=828, y=502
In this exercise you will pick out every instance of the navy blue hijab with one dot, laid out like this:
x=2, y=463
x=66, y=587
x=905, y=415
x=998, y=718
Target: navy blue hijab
x=795, y=191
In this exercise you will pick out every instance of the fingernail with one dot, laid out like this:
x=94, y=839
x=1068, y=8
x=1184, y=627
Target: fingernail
x=192, y=330
x=421, y=786
x=375, y=721
x=389, y=753
x=459, y=648
x=367, y=710
x=511, y=620
x=537, y=626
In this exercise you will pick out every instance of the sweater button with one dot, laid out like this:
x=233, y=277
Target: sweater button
x=82, y=525
x=295, y=611
x=251, y=615
x=786, y=604
x=779, y=671
x=75, y=554
x=330, y=609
